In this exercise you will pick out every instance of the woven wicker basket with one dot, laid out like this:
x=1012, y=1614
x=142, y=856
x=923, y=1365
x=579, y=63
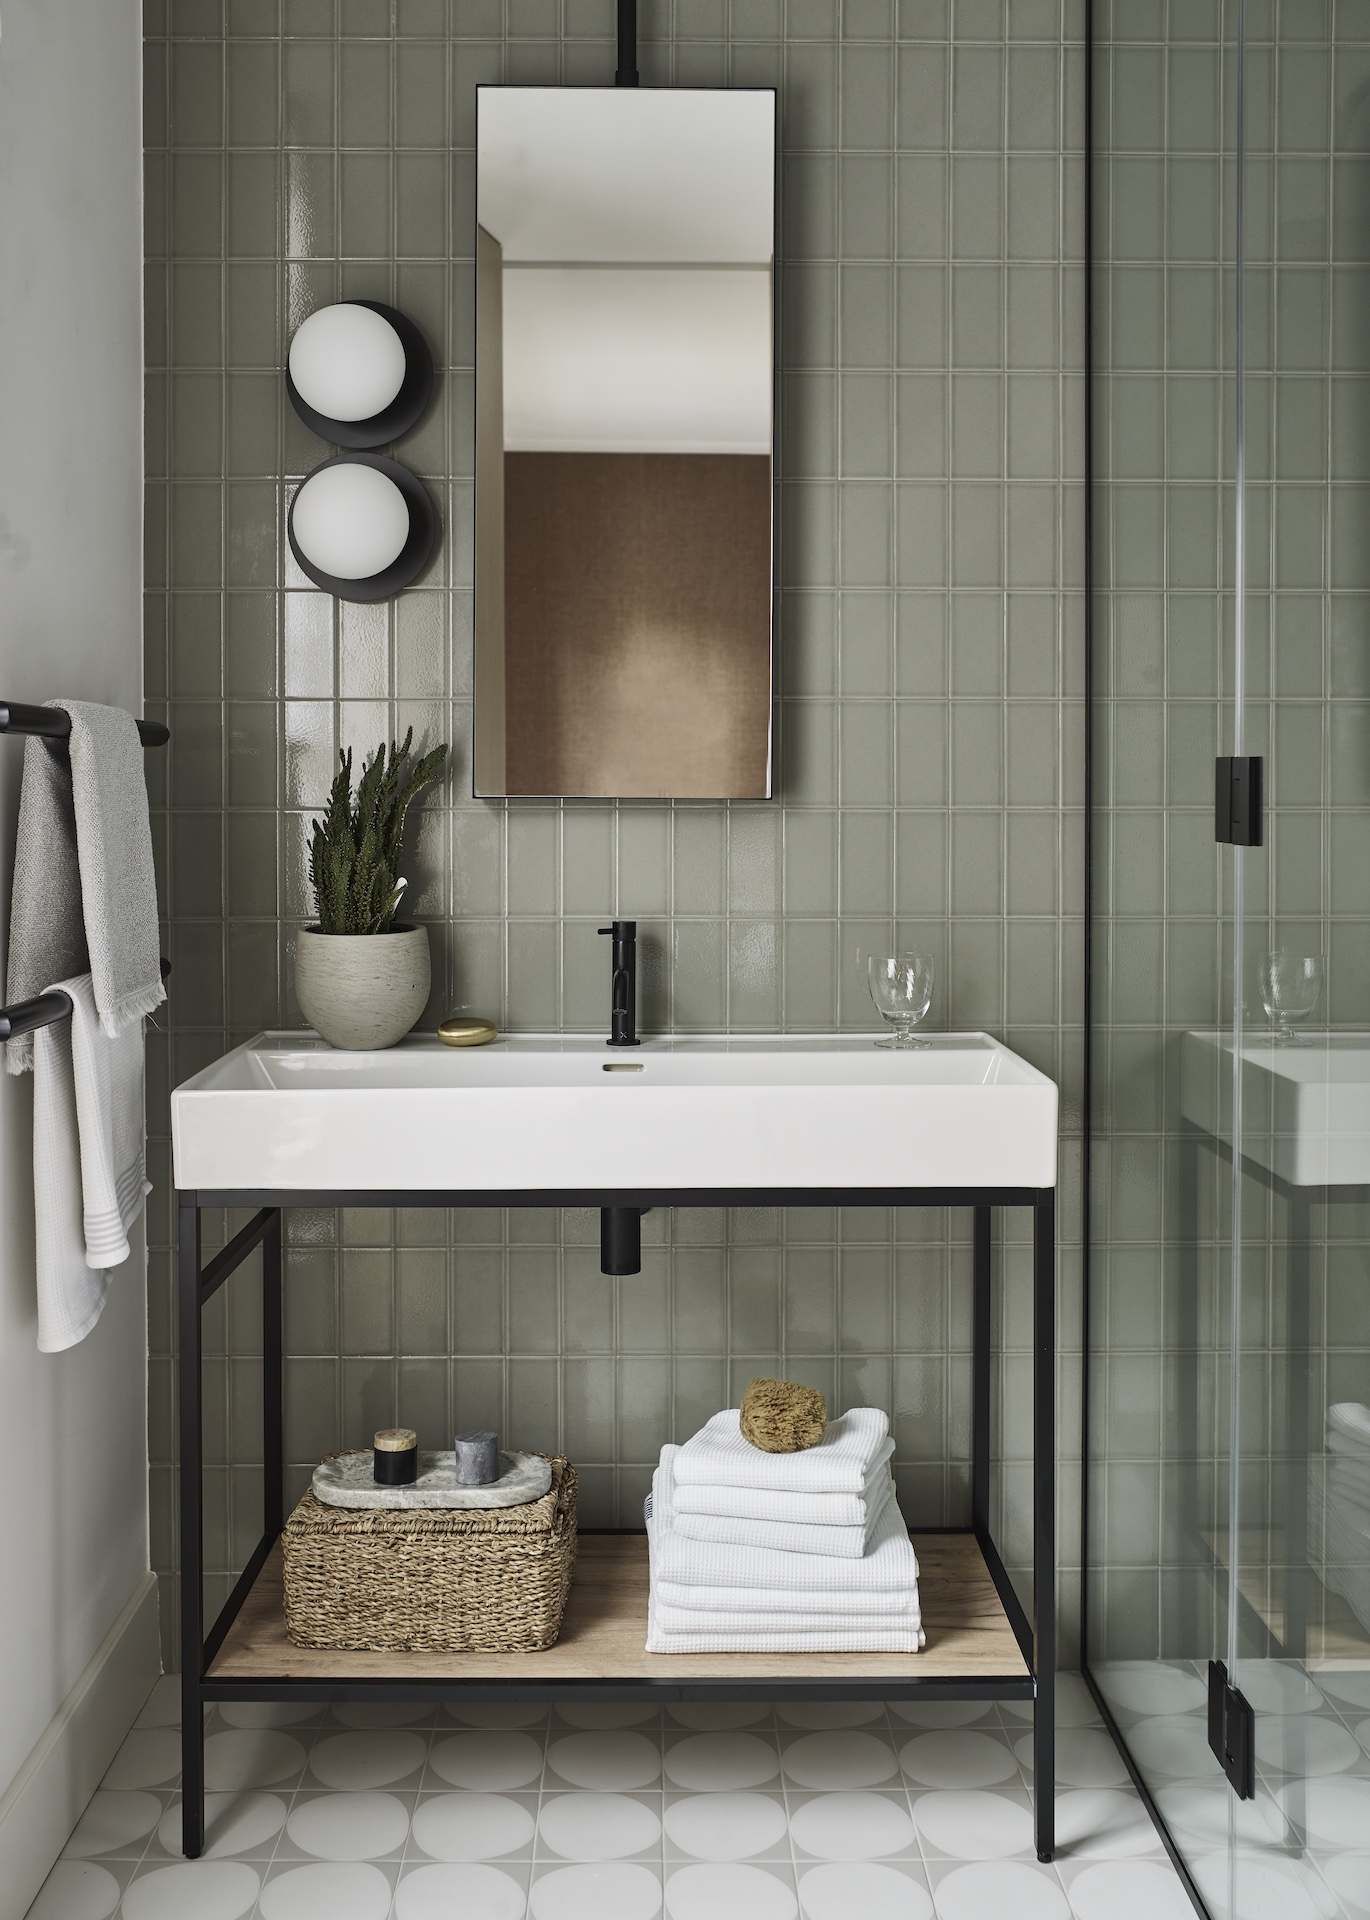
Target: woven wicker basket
x=432, y=1580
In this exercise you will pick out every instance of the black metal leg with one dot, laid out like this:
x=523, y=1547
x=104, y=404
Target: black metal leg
x=980, y=1374
x=192, y=1531
x=1044, y=1515
x=1297, y=1309
x=1186, y=1626
x=273, y=1448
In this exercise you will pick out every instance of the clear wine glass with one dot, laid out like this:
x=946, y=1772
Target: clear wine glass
x=1291, y=986
x=901, y=987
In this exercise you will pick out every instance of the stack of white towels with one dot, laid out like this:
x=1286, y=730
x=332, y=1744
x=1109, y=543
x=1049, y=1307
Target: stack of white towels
x=756, y=1552
x=1346, y=1514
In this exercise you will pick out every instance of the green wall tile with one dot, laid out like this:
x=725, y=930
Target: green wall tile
x=333, y=159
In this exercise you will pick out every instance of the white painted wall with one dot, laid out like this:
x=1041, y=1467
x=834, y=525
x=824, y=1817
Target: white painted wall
x=73, y=1493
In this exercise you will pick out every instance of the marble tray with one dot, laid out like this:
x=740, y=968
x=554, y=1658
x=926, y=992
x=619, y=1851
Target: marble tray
x=347, y=1481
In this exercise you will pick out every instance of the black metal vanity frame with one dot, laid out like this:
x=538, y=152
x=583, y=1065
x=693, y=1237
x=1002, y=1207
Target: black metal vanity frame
x=197, y=1285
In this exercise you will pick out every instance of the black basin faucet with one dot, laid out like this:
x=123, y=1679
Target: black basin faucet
x=623, y=1003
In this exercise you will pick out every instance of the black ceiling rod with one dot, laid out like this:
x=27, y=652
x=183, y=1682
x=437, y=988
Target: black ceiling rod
x=626, y=76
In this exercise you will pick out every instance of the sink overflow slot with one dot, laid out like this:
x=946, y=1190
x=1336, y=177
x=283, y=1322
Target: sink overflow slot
x=621, y=1066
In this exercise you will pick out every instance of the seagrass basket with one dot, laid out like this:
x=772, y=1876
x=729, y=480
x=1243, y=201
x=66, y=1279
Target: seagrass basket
x=432, y=1580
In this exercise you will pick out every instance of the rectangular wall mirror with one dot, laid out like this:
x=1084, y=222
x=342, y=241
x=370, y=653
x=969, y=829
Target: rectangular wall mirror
x=624, y=297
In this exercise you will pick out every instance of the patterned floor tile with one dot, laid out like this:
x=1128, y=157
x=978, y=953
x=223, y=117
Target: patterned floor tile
x=808, y=1810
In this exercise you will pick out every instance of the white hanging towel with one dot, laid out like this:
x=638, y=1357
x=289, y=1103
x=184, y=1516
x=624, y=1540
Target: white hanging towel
x=89, y=1179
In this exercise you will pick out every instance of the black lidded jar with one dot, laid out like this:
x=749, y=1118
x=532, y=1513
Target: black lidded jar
x=396, y=1457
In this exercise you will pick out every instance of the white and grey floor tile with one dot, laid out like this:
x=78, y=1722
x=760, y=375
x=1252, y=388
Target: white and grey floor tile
x=960, y=1757
x=717, y=1716
x=83, y=1890
x=438, y=1892
x=460, y=1827
x=874, y=1889
x=695, y=1811
x=858, y=1825
x=738, y=1891
x=981, y=1889
x=604, y=1762
x=1125, y=1890
x=328, y=1890
x=725, y=1826
x=732, y=1761
x=978, y=1823
x=599, y=1826
x=624, y=1888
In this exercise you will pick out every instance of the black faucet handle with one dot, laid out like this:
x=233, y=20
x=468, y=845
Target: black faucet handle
x=622, y=930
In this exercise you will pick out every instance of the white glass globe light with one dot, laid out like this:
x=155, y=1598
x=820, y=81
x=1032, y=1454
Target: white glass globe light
x=350, y=521
x=347, y=362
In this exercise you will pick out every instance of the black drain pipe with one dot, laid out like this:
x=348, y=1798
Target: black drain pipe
x=620, y=1239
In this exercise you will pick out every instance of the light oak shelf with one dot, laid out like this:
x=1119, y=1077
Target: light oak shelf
x=968, y=1633
x=1333, y=1635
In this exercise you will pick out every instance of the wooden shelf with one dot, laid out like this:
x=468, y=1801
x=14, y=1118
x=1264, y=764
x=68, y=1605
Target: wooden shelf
x=602, y=1638
x=1333, y=1634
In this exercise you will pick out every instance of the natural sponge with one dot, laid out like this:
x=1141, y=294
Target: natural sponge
x=780, y=1416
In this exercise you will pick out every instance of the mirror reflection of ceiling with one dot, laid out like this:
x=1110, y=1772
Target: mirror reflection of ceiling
x=636, y=247
x=653, y=361
x=669, y=176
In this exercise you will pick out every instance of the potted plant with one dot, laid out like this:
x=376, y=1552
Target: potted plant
x=361, y=979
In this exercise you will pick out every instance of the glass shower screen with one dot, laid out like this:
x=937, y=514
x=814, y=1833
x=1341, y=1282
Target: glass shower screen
x=1228, y=1362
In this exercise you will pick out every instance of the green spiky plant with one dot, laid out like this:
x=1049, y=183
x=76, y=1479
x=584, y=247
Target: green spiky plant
x=354, y=854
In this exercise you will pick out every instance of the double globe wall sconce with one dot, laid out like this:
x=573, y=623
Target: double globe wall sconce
x=361, y=526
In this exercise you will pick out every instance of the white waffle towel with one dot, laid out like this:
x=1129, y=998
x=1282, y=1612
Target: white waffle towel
x=88, y=1164
x=789, y=1602
x=698, y=1630
x=804, y=1509
x=889, y=1566
x=789, y=1536
x=718, y=1456
x=1348, y=1427
x=661, y=1639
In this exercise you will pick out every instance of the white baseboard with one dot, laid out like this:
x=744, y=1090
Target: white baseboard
x=51, y=1790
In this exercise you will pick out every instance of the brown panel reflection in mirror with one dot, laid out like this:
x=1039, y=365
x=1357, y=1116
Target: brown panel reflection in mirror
x=634, y=588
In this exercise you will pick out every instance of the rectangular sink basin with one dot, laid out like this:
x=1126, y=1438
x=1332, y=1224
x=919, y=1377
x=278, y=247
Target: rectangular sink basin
x=1305, y=1108
x=543, y=1112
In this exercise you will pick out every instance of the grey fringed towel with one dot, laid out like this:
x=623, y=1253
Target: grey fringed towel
x=85, y=896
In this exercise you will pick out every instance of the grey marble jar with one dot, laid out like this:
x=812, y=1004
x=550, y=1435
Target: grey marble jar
x=362, y=990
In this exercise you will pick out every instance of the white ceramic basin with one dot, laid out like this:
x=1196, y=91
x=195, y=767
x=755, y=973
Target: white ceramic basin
x=1305, y=1108
x=554, y=1111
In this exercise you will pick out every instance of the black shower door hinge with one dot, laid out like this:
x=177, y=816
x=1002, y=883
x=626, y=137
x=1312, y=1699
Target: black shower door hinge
x=1231, y=1731
x=1237, y=800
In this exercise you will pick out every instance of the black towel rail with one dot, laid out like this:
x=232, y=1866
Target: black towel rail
x=45, y=1010
x=51, y=723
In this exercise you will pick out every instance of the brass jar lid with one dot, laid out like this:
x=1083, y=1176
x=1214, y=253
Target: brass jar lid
x=396, y=1440
x=465, y=1030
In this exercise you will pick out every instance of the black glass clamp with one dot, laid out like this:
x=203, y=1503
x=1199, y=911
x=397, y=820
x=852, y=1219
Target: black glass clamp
x=1237, y=800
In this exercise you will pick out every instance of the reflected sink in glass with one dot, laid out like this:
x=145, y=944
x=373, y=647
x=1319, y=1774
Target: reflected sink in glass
x=538, y=1112
x=1305, y=1108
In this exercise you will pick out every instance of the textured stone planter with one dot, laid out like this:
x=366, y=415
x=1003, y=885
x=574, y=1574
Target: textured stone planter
x=362, y=990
